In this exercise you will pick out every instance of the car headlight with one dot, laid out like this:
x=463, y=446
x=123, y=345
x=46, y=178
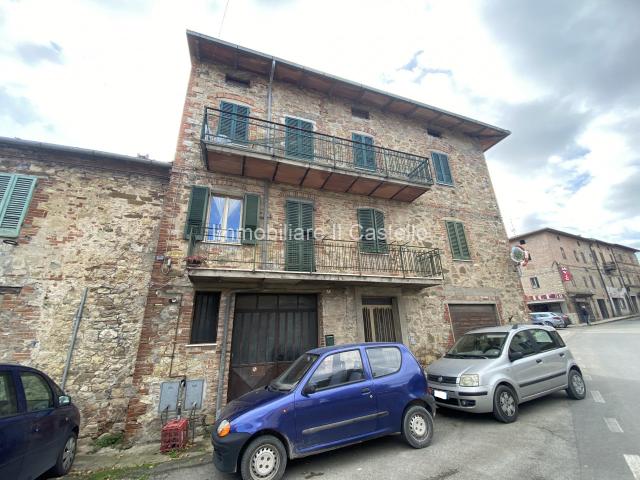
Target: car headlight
x=470, y=380
x=224, y=428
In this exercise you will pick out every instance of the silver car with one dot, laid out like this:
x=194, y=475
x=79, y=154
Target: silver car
x=547, y=318
x=494, y=369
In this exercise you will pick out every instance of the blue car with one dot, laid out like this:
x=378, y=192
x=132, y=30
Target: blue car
x=328, y=398
x=38, y=425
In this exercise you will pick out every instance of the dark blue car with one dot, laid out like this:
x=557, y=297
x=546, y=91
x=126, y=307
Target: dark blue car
x=328, y=398
x=38, y=425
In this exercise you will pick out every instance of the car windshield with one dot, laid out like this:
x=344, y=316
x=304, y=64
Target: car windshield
x=478, y=345
x=292, y=375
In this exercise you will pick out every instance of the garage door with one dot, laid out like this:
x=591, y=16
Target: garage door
x=468, y=317
x=269, y=333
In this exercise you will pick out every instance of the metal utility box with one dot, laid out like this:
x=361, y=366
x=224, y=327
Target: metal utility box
x=193, y=394
x=169, y=396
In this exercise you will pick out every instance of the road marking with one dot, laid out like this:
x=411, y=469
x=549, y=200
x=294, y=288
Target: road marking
x=597, y=396
x=613, y=425
x=587, y=377
x=633, y=461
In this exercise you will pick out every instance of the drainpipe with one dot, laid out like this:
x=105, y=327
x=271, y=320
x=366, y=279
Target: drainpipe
x=606, y=290
x=74, y=335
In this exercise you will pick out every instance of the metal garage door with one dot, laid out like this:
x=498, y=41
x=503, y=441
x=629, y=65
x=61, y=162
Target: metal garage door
x=269, y=333
x=468, y=317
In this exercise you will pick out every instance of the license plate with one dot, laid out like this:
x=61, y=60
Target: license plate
x=440, y=394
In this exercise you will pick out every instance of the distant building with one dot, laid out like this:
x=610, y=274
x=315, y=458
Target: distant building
x=568, y=271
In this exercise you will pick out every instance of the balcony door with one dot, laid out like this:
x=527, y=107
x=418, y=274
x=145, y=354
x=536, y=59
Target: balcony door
x=299, y=253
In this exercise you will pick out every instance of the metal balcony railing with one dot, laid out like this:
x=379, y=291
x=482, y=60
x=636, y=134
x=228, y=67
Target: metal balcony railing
x=609, y=266
x=210, y=250
x=247, y=133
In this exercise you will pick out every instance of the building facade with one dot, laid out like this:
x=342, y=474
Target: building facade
x=568, y=271
x=305, y=210
x=70, y=220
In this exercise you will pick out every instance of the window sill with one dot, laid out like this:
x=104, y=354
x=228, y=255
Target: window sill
x=213, y=242
x=445, y=184
x=463, y=260
x=206, y=345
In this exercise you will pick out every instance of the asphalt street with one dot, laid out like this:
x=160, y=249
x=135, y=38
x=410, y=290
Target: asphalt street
x=554, y=437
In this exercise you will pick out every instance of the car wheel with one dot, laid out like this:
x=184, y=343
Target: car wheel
x=577, y=388
x=417, y=427
x=505, y=404
x=264, y=459
x=66, y=456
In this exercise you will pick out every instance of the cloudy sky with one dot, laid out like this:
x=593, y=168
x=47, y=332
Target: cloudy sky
x=563, y=76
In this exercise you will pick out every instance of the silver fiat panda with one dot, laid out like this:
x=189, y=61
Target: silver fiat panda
x=494, y=369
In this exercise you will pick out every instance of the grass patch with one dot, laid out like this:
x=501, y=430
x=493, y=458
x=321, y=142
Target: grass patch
x=120, y=473
x=110, y=440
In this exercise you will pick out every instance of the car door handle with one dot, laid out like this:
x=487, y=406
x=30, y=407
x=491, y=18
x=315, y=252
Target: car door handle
x=561, y=354
x=538, y=360
x=366, y=391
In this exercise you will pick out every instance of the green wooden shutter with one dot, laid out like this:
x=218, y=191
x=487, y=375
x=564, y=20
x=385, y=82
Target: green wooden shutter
x=292, y=225
x=358, y=150
x=197, y=213
x=441, y=166
x=225, y=123
x=306, y=247
x=299, y=138
x=369, y=153
x=241, y=126
x=458, y=241
x=367, y=230
x=250, y=218
x=381, y=238
x=15, y=196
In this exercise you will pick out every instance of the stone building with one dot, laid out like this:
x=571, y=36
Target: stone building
x=72, y=219
x=568, y=271
x=303, y=210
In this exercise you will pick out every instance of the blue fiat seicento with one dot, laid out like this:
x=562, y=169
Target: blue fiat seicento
x=328, y=398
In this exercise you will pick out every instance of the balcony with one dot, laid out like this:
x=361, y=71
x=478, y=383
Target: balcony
x=281, y=261
x=242, y=145
x=609, y=267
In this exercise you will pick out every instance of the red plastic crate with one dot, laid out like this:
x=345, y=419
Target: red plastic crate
x=174, y=435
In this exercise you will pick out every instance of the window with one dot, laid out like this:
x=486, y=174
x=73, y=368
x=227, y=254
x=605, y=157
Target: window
x=602, y=257
x=564, y=255
x=36, y=392
x=584, y=260
x=384, y=360
x=458, y=241
x=575, y=254
x=224, y=221
x=338, y=369
x=441, y=166
x=299, y=138
x=584, y=279
x=360, y=113
x=578, y=242
x=434, y=133
x=543, y=340
x=593, y=284
x=364, y=155
x=534, y=282
x=8, y=400
x=611, y=281
x=557, y=338
x=573, y=281
x=15, y=196
x=522, y=343
x=204, y=327
x=237, y=80
x=233, y=123
x=373, y=238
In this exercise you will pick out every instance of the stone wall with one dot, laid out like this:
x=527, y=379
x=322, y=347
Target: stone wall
x=92, y=223
x=488, y=277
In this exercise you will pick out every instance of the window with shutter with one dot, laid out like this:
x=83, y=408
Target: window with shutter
x=299, y=140
x=15, y=195
x=372, y=232
x=441, y=167
x=204, y=326
x=250, y=218
x=233, y=123
x=458, y=241
x=364, y=155
x=224, y=222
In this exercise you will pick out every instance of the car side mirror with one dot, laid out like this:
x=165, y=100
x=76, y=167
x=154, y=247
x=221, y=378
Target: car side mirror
x=513, y=356
x=64, y=400
x=308, y=389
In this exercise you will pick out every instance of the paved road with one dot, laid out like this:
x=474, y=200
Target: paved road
x=554, y=438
